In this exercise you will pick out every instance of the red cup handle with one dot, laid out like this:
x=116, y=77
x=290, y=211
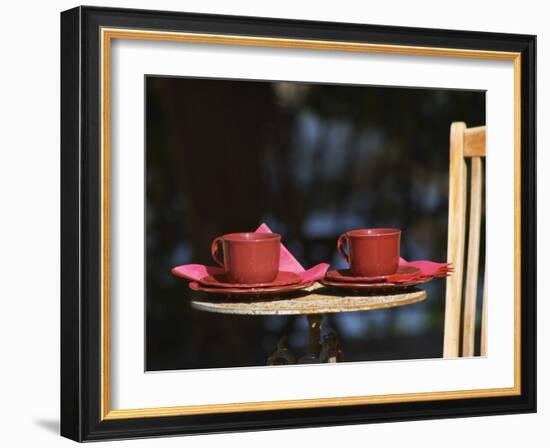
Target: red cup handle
x=340, y=246
x=214, y=250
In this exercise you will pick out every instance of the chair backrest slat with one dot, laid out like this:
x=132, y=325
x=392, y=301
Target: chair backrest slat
x=472, y=267
x=474, y=142
x=464, y=143
x=483, y=349
x=455, y=239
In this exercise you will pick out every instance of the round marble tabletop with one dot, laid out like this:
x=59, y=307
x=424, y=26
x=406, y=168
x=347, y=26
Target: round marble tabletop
x=316, y=299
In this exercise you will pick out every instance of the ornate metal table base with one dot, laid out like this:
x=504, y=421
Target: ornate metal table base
x=321, y=348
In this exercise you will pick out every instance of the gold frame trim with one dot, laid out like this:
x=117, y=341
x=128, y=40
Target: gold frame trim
x=107, y=35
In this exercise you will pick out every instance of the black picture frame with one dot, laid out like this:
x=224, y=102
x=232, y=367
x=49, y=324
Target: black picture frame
x=81, y=224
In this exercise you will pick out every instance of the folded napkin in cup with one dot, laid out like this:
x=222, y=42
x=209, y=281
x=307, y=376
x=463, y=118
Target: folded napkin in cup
x=288, y=262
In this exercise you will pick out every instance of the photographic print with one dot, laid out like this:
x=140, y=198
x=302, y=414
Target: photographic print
x=308, y=162
x=271, y=223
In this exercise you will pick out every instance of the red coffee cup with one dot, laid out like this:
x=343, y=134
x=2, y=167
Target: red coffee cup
x=371, y=252
x=248, y=257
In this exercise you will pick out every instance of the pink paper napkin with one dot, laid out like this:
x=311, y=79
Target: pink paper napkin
x=428, y=269
x=196, y=272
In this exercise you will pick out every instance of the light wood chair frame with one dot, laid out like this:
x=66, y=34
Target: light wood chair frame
x=465, y=143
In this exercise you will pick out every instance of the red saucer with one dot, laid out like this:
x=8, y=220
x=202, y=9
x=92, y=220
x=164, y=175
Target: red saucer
x=221, y=281
x=196, y=286
x=345, y=275
x=374, y=287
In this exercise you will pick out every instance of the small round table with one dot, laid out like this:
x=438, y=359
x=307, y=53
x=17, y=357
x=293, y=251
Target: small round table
x=312, y=302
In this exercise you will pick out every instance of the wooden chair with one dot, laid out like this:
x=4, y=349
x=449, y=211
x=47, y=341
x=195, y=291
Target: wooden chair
x=465, y=143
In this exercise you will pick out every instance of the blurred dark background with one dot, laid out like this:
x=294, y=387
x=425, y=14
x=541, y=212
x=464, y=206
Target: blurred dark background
x=311, y=161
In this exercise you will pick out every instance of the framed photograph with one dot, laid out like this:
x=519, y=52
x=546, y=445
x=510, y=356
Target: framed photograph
x=275, y=224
